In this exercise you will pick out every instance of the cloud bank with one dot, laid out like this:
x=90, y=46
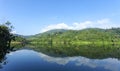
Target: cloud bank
x=103, y=23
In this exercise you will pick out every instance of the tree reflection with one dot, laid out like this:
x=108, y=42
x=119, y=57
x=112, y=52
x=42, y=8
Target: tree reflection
x=5, y=40
x=2, y=59
x=89, y=51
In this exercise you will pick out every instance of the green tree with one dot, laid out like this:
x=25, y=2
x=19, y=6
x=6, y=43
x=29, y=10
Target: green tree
x=5, y=37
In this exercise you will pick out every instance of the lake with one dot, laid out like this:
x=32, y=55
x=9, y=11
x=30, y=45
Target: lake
x=30, y=60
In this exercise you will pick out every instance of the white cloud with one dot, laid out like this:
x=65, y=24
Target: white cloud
x=82, y=25
x=103, y=23
x=56, y=26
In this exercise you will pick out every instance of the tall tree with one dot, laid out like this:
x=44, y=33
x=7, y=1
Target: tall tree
x=5, y=36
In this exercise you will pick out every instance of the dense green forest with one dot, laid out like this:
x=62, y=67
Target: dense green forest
x=85, y=36
x=90, y=42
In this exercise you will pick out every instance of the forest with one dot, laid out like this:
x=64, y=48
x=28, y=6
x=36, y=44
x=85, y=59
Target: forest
x=78, y=37
x=90, y=42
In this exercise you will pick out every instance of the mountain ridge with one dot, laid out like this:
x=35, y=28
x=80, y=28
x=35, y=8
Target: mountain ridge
x=90, y=34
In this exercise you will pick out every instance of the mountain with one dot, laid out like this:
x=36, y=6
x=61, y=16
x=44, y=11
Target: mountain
x=55, y=30
x=89, y=34
x=23, y=36
x=47, y=33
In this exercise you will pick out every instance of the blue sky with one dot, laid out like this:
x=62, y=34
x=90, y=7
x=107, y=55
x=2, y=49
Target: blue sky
x=35, y=16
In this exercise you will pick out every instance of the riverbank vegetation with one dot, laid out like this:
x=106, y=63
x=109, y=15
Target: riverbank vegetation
x=6, y=38
x=91, y=42
x=78, y=37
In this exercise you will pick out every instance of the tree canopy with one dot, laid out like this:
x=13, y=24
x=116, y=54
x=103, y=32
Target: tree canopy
x=5, y=37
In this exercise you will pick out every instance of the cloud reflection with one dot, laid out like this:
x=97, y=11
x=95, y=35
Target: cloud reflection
x=111, y=64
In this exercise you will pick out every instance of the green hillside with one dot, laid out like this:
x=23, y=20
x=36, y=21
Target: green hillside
x=90, y=42
x=89, y=35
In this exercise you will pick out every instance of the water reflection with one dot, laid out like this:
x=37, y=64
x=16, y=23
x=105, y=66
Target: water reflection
x=29, y=60
x=2, y=59
x=89, y=51
x=111, y=64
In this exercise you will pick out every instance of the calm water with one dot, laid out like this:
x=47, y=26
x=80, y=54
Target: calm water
x=30, y=60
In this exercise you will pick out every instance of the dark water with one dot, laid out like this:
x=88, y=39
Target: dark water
x=29, y=60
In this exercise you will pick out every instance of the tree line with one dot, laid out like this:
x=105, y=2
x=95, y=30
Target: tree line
x=85, y=36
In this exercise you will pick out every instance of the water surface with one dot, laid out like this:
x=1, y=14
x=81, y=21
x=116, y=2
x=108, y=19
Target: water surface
x=30, y=60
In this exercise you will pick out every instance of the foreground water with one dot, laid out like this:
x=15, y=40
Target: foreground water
x=30, y=60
